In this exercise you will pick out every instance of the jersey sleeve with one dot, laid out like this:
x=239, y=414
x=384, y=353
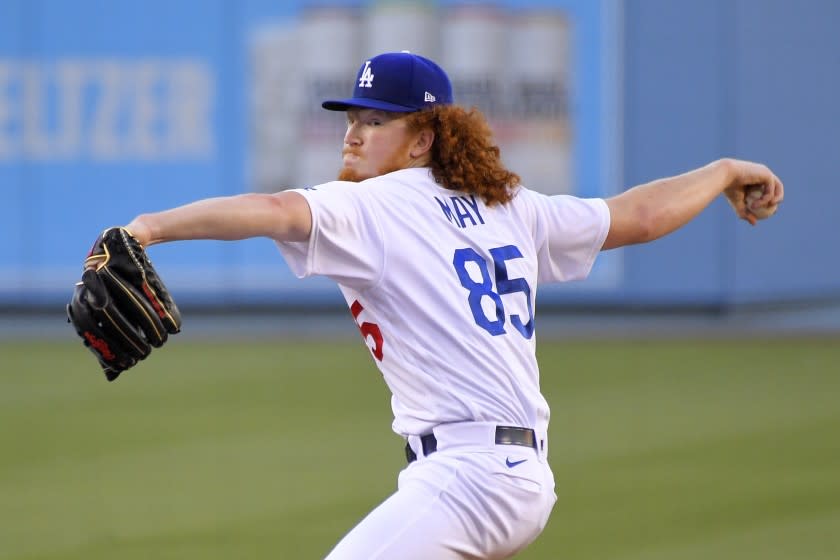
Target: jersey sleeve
x=570, y=232
x=346, y=243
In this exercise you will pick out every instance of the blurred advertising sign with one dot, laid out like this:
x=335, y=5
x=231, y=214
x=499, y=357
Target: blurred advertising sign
x=99, y=109
x=111, y=109
x=512, y=63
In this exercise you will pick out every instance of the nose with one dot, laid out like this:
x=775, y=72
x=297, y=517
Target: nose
x=351, y=136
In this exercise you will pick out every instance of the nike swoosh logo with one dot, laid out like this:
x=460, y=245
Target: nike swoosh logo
x=512, y=464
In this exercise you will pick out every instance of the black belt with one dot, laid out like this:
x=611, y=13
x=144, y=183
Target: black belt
x=505, y=435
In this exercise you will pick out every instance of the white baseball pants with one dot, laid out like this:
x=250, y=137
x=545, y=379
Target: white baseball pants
x=471, y=499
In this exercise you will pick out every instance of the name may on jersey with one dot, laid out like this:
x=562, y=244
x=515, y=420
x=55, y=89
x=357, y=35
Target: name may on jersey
x=459, y=209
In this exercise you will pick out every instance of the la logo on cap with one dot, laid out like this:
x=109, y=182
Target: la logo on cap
x=366, y=79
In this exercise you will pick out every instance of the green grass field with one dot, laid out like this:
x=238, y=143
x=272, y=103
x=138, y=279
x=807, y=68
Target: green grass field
x=682, y=450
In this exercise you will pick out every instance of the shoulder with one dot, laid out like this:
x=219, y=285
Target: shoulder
x=558, y=207
x=525, y=196
x=415, y=178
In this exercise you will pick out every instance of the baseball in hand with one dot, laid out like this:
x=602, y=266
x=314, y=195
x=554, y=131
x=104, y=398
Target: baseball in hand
x=751, y=195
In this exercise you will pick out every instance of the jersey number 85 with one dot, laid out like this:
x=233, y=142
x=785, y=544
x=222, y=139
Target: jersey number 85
x=484, y=288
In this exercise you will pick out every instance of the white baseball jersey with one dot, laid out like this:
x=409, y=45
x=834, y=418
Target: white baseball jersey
x=443, y=287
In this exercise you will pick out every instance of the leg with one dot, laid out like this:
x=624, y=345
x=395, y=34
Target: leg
x=406, y=526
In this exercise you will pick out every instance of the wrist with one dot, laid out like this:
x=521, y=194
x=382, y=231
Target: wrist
x=725, y=168
x=141, y=230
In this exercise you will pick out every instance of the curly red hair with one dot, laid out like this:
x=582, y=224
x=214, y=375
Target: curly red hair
x=464, y=157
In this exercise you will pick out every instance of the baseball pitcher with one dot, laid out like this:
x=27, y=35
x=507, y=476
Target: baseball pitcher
x=439, y=252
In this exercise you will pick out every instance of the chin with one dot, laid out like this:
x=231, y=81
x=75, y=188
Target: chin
x=348, y=174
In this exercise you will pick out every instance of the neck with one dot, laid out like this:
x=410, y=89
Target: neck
x=421, y=161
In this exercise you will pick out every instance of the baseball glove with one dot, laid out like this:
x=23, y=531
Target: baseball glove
x=121, y=309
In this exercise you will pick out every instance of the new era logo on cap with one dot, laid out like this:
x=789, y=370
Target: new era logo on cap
x=400, y=82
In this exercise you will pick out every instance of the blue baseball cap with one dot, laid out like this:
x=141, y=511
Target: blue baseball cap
x=400, y=82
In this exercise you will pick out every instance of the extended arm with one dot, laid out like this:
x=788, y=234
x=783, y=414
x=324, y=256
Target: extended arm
x=655, y=209
x=284, y=216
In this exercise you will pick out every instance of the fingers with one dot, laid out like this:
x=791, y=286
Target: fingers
x=773, y=189
x=773, y=193
x=95, y=262
x=756, y=192
x=766, y=205
x=778, y=191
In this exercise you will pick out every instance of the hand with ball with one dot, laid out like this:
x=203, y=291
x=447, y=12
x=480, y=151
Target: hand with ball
x=754, y=192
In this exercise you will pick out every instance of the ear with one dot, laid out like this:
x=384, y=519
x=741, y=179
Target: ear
x=422, y=143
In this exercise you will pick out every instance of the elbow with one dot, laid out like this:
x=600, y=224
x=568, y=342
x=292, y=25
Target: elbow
x=632, y=222
x=638, y=225
x=646, y=224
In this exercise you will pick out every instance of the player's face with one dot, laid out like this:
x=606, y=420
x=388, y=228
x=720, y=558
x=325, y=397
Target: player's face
x=376, y=142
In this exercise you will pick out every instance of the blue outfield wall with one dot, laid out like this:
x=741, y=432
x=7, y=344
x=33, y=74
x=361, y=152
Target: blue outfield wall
x=754, y=79
x=109, y=109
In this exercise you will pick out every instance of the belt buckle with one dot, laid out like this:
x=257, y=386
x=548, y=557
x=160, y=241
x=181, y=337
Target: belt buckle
x=514, y=435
